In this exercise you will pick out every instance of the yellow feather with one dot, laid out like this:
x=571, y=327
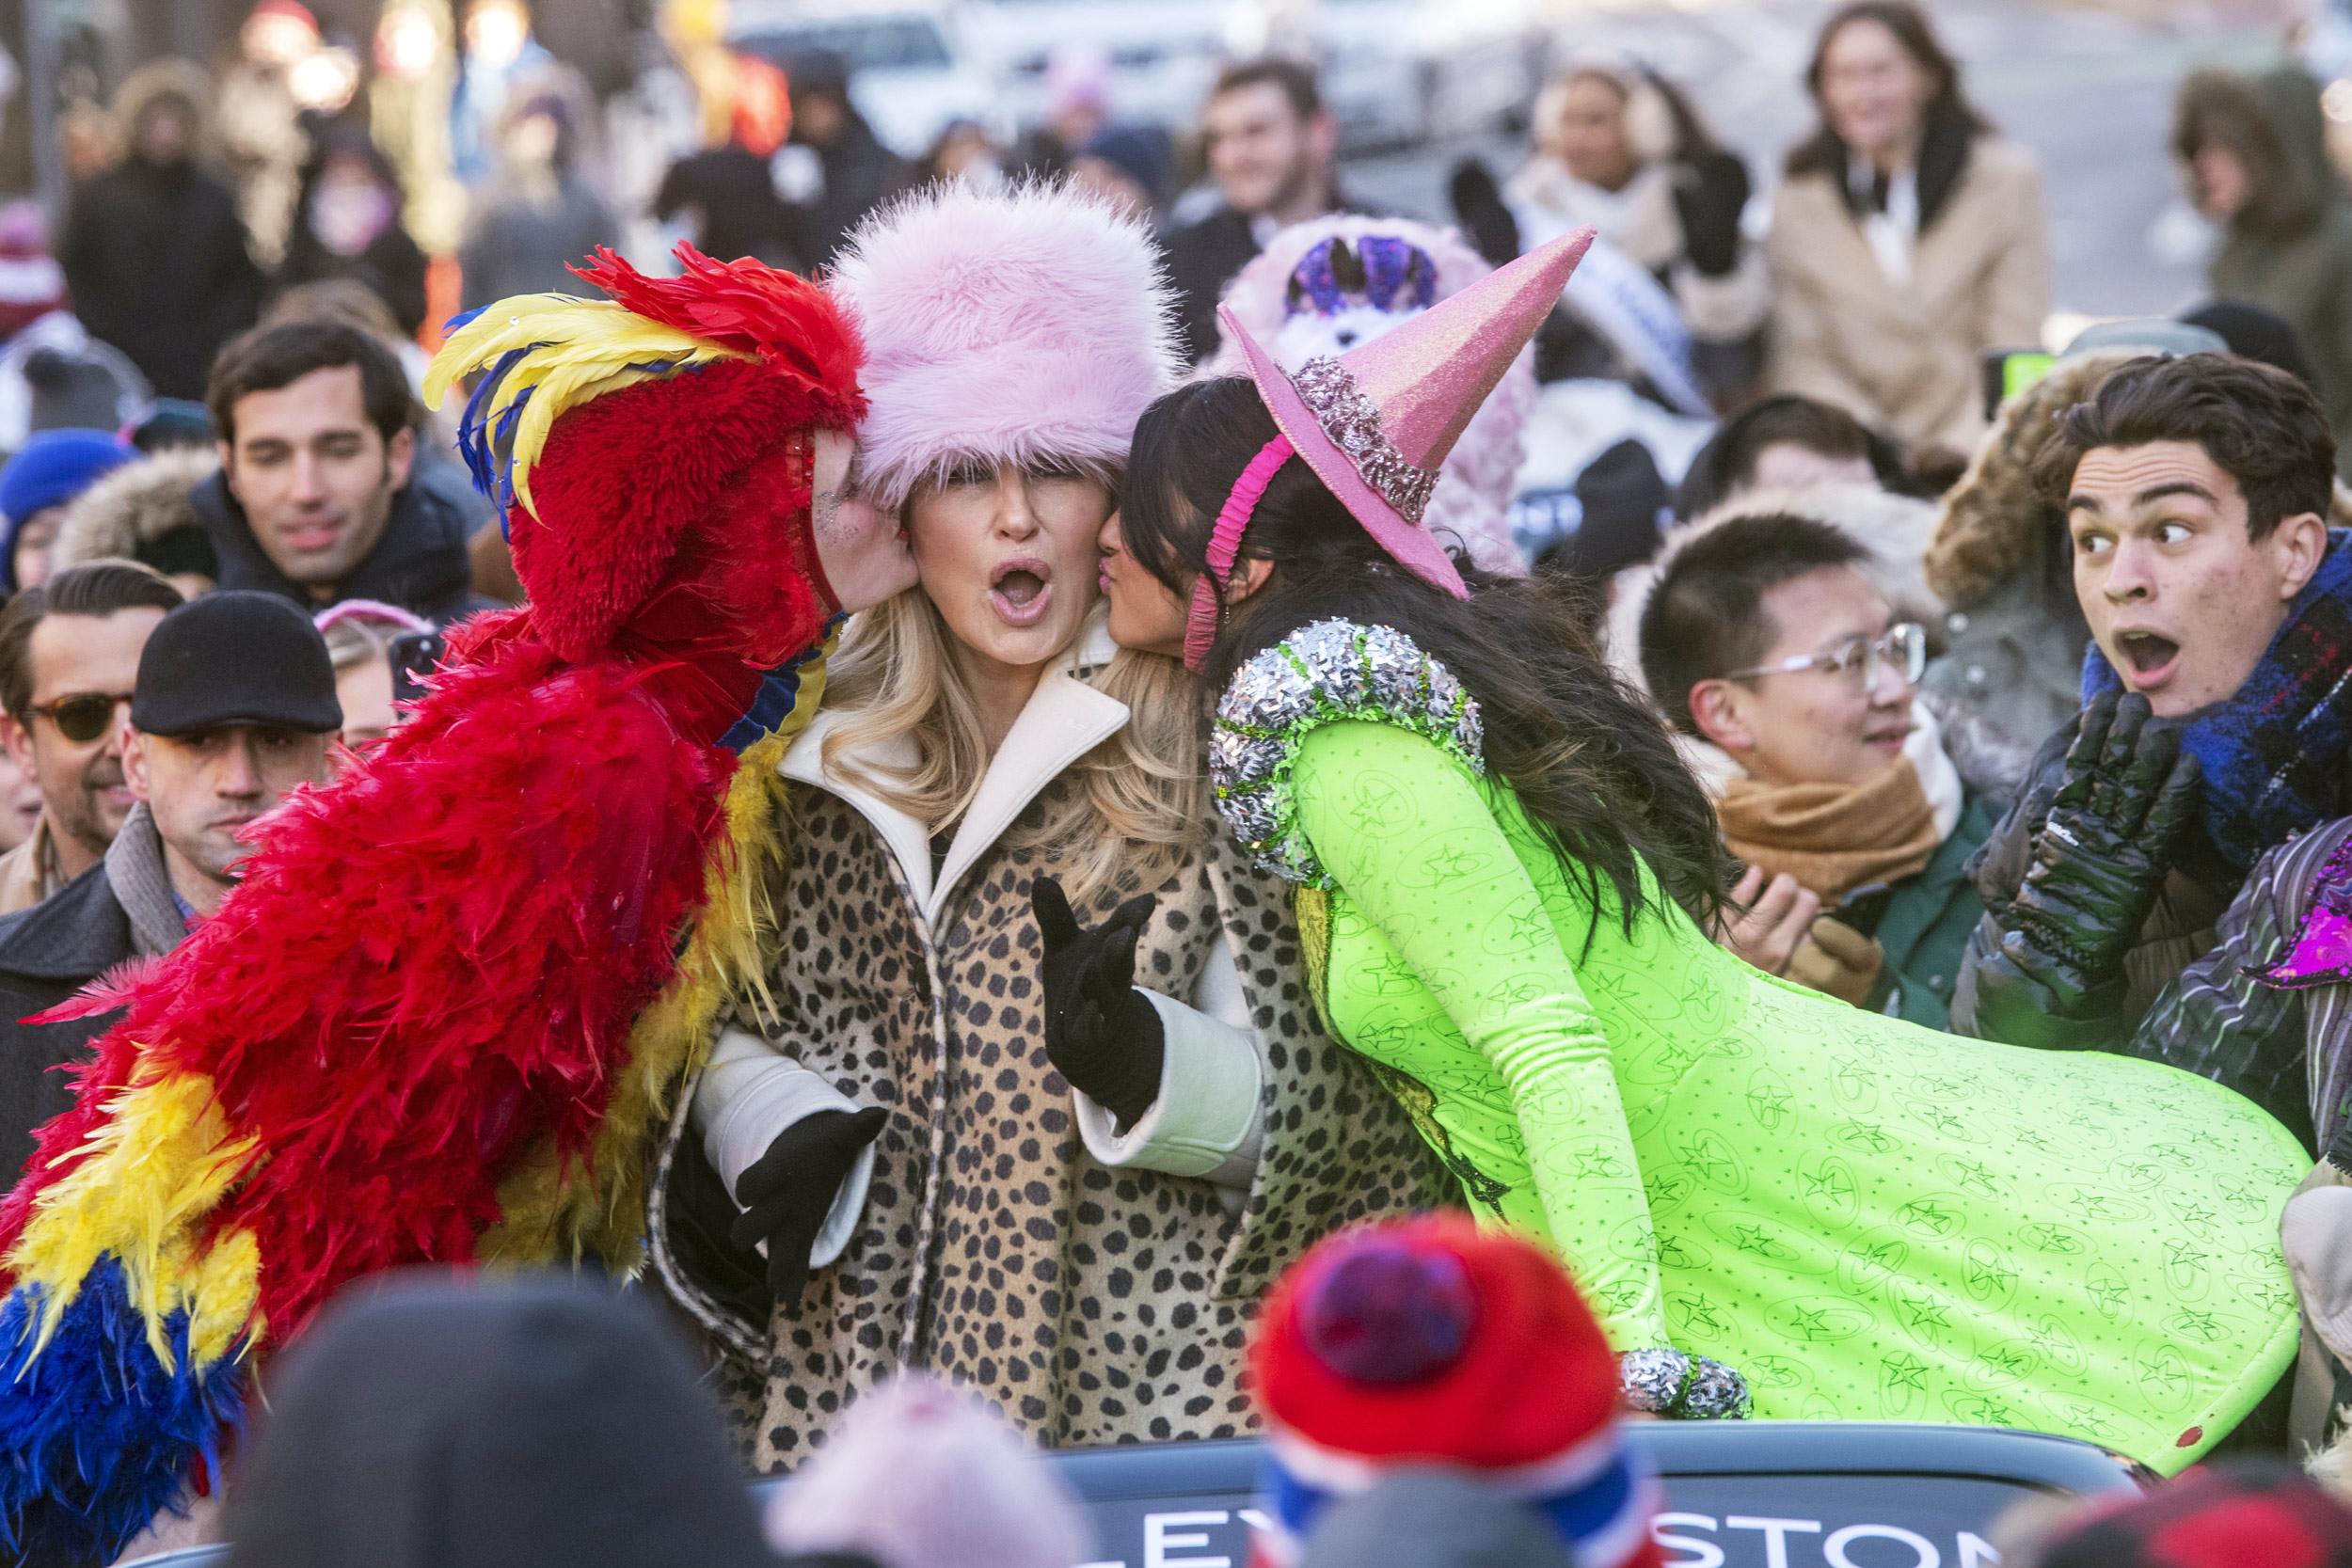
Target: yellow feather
x=548, y=1214
x=577, y=349
x=162, y=1162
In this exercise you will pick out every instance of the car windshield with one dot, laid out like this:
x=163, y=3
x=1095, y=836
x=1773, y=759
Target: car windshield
x=865, y=43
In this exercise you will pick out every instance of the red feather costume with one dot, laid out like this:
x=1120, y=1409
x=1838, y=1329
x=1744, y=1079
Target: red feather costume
x=453, y=985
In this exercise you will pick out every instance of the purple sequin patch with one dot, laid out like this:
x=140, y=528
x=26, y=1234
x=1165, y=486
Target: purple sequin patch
x=2321, y=951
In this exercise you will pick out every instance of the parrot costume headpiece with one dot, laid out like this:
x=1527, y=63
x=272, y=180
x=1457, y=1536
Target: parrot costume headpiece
x=603, y=428
x=454, y=994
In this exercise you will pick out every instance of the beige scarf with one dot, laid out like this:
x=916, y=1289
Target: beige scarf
x=1833, y=838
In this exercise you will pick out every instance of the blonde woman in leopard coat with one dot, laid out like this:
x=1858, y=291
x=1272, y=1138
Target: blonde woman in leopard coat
x=929, y=1189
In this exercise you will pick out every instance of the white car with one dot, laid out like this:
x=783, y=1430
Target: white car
x=907, y=74
x=1163, y=53
x=1406, y=71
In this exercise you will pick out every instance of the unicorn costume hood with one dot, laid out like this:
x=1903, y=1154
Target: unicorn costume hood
x=1324, y=286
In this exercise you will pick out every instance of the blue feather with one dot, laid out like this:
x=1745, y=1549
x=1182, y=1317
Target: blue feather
x=96, y=1437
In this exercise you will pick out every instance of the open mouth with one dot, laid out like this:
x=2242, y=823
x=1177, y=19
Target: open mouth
x=1021, y=590
x=2147, y=653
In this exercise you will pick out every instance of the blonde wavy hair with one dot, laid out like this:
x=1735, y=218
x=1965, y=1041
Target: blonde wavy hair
x=1140, y=800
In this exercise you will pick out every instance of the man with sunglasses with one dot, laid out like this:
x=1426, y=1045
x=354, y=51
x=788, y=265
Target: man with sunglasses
x=69, y=652
x=1765, y=641
x=232, y=706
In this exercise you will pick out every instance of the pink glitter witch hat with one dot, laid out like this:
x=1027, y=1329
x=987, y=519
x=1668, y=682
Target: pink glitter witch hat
x=1377, y=422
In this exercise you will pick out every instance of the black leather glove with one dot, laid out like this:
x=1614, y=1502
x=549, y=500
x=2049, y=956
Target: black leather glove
x=1711, y=192
x=787, y=1192
x=1100, y=1034
x=2098, y=865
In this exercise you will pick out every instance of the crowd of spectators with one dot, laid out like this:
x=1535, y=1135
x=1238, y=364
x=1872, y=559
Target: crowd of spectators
x=2021, y=697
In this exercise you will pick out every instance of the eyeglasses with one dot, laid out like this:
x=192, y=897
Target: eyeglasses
x=1860, y=665
x=83, y=716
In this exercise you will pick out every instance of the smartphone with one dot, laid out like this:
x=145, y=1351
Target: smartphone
x=1864, y=906
x=415, y=655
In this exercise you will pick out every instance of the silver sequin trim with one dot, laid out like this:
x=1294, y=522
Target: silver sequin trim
x=1717, y=1393
x=1348, y=417
x=1329, y=670
x=1652, y=1380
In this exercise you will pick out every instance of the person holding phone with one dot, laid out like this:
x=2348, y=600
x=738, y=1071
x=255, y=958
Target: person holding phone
x=1765, y=639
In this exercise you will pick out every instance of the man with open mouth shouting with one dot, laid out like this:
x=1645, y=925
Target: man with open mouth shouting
x=2217, y=714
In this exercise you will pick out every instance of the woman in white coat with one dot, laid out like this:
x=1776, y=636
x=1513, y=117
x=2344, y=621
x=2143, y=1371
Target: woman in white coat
x=910, y=1123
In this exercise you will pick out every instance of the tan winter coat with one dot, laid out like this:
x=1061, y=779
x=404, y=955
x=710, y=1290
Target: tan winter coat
x=1906, y=359
x=1095, y=1285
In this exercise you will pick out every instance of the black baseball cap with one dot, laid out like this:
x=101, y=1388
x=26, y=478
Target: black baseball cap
x=235, y=657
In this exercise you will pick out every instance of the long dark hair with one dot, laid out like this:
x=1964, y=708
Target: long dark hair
x=1590, y=763
x=1822, y=152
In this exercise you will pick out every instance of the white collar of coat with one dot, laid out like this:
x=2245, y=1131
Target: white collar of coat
x=1064, y=720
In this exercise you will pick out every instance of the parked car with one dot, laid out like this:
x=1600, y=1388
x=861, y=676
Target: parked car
x=908, y=75
x=1409, y=71
x=1163, y=56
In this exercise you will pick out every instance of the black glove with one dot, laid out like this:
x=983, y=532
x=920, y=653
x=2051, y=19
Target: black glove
x=787, y=1192
x=1711, y=192
x=2098, y=865
x=1100, y=1033
x=1479, y=208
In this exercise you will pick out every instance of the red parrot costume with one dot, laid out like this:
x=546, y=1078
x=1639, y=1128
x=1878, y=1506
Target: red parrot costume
x=444, y=1007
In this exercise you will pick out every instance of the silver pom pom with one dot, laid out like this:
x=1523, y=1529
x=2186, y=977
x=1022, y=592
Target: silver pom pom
x=1652, y=1380
x=1715, y=1392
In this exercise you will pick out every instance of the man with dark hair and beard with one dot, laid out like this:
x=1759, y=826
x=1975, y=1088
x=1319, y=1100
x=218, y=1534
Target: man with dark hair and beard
x=318, y=498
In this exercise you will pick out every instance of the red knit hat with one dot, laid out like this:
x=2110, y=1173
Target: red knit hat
x=1433, y=1339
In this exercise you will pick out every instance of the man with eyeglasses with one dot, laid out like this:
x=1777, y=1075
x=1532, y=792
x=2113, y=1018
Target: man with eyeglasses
x=231, y=706
x=69, y=652
x=1765, y=643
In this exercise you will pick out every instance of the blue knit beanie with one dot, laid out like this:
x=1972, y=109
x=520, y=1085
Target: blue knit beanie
x=53, y=467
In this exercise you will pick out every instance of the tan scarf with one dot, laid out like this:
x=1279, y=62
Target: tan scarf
x=1833, y=838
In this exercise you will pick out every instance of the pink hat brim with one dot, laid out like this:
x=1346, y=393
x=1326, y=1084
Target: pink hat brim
x=1414, y=549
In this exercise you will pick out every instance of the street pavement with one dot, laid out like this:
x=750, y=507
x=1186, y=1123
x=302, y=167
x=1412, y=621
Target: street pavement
x=2088, y=90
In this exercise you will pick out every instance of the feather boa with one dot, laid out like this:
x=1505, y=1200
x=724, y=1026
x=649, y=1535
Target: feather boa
x=420, y=1031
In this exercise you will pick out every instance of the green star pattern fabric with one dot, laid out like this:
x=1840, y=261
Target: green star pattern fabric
x=1871, y=1221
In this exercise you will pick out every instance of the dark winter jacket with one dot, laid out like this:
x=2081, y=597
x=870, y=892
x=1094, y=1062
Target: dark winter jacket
x=2288, y=1050
x=860, y=172
x=2290, y=247
x=391, y=267
x=419, y=565
x=741, y=215
x=53, y=949
x=2179, y=929
x=1927, y=924
x=1201, y=260
x=157, y=262
x=513, y=248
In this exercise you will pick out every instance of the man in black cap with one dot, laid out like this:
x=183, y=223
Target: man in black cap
x=234, y=706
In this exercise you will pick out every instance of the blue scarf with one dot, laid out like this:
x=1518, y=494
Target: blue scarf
x=2274, y=752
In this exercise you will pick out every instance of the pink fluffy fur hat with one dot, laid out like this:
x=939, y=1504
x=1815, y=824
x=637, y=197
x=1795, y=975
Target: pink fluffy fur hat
x=1005, y=325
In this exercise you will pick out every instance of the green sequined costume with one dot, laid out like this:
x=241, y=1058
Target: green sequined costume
x=1870, y=1220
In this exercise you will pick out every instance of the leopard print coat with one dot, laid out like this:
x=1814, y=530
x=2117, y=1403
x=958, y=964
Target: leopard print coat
x=1093, y=1305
